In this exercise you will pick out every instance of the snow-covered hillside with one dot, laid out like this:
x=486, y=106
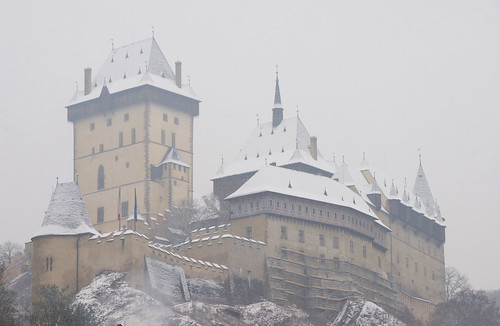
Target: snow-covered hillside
x=116, y=302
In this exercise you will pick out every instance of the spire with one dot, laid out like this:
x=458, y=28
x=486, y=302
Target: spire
x=422, y=189
x=277, y=108
x=277, y=95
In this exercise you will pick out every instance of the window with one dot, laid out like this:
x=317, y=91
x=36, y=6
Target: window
x=249, y=232
x=173, y=139
x=46, y=264
x=101, y=148
x=251, y=204
x=283, y=233
x=335, y=243
x=124, y=209
x=163, y=136
x=351, y=246
x=176, y=120
x=301, y=235
x=320, y=212
x=108, y=122
x=322, y=259
x=314, y=210
x=100, y=177
x=284, y=205
x=300, y=208
x=307, y=209
x=433, y=275
x=277, y=204
x=100, y=214
x=322, y=240
x=364, y=251
x=132, y=136
x=125, y=117
x=397, y=258
x=271, y=203
x=416, y=267
x=120, y=139
x=165, y=117
x=92, y=126
x=284, y=253
x=93, y=150
x=407, y=263
x=50, y=266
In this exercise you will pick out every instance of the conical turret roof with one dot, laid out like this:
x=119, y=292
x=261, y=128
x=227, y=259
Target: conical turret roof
x=67, y=213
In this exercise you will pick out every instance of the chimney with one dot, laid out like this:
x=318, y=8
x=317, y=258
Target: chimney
x=314, y=147
x=178, y=74
x=87, y=81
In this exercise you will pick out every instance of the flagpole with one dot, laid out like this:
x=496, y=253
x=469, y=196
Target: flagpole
x=135, y=209
x=119, y=208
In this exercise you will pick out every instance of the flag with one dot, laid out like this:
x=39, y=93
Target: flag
x=135, y=205
x=119, y=203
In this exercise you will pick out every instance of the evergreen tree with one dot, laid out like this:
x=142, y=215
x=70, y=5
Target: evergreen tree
x=56, y=307
x=7, y=299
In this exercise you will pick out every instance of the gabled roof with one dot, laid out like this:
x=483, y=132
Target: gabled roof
x=67, y=213
x=286, y=144
x=173, y=156
x=133, y=65
x=302, y=185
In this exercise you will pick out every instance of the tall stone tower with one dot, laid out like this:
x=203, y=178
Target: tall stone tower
x=133, y=130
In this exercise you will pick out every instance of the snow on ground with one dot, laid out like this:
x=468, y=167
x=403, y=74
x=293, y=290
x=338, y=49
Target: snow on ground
x=116, y=302
x=364, y=313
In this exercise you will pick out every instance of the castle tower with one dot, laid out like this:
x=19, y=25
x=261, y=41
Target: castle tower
x=56, y=245
x=133, y=129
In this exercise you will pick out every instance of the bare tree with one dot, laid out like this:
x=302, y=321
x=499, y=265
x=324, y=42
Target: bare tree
x=9, y=249
x=454, y=282
x=214, y=208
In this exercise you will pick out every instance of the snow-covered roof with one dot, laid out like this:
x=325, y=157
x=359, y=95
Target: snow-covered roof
x=392, y=188
x=67, y=213
x=131, y=217
x=133, y=65
x=302, y=185
x=173, y=156
x=287, y=143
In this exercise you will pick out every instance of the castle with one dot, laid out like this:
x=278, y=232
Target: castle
x=303, y=230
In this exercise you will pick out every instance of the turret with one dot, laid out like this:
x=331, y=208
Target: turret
x=278, y=108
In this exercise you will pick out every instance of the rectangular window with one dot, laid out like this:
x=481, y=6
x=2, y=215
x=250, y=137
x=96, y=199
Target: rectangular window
x=120, y=139
x=284, y=253
x=271, y=203
x=173, y=139
x=284, y=236
x=132, y=136
x=46, y=264
x=300, y=208
x=125, y=117
x=101, y=148
x=163, y=136
x=335, y=243
x=165, y=117
x=249, y=232
x=277, y=204
x=176, y=120
x=92, y=126
x=301, y=235
x=50, y=268
x=108, y=122
x=322, y=240
x=284, y=205
x=307, y=209
x=322, y=259
x=124, y=209
x=100, y=214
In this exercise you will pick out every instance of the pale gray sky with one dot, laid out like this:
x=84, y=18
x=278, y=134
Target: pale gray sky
x=381, y=77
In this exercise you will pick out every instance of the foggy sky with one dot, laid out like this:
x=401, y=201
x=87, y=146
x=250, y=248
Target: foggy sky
x=384, y=77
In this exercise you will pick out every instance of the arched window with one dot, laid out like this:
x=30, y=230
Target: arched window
x=100, y=177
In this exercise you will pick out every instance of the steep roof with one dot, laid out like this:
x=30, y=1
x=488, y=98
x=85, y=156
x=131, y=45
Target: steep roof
x=302, y=185
x=67, y=213
x=173, y=156
x=286, y=144
x=423, y=191
x=133, y=65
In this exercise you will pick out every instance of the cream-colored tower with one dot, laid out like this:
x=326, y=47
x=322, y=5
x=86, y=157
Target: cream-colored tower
x=133, y=130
